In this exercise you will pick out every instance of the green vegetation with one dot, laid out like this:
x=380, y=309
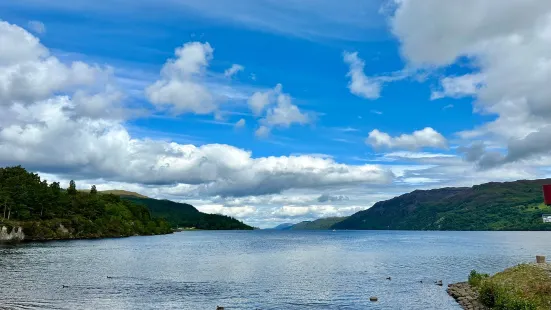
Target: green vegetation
x=319, y=224
x=491, y=206
x=476, y=278
x=186, y=216
x=45, y=211
x=524, y=287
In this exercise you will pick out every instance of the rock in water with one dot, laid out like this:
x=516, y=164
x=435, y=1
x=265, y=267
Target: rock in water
x=16, y=234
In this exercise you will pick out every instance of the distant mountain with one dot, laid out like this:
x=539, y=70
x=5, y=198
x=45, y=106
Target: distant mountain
x=284, y=226
x=319, y=224
x=186, y=215
x=491, y=206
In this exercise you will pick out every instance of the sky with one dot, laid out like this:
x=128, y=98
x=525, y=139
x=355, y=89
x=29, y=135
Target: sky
x=276, y=111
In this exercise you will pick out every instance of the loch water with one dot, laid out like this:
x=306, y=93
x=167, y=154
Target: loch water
x=257, y=269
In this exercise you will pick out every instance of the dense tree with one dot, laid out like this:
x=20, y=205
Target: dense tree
x=93, y=190
x=491, y=206
x=185, y=215
x=72, y=190
x=45, y=211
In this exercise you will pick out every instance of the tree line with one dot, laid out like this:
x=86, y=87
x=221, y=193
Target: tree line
x=47, y=211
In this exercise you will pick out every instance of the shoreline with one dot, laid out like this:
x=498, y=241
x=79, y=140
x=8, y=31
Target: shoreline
x=524, y=286
x=465, y=295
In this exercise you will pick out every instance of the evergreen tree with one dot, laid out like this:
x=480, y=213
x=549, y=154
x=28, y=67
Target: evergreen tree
x=93, y=191
x=72, y=190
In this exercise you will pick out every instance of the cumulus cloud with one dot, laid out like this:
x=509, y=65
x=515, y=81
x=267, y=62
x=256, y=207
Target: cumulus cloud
x=101, y=147
x=426, y=137
x=260, y=100
x=180, y=87
x=279, y=110
x=234, y=69
x=28, y=72
x=507, y=44
x=359, y=84
x=284, y=113
x=459, y=86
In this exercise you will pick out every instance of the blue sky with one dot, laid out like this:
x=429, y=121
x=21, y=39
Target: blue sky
x=441, y=109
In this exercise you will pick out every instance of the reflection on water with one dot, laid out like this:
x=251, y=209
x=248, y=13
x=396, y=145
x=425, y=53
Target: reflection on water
x=256, y=270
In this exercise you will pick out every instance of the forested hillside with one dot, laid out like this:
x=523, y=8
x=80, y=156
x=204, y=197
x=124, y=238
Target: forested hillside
x=46, y=211
x=185, y=215
x=319, y=224
x=491, y=206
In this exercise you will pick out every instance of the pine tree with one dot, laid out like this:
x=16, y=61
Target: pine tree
x=72, y=190
x=93, y=191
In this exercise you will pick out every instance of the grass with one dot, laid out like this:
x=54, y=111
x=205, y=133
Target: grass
x=523, y=287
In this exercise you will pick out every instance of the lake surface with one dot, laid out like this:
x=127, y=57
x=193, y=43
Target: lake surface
x=257, y=269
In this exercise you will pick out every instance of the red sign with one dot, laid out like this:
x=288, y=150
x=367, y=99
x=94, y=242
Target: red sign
x=547, y=194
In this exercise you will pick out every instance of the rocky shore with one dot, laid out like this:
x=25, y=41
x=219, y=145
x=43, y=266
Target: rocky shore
x=15, y=235
x=465, y=295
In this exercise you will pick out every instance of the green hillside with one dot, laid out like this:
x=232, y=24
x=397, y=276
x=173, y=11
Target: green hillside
x=319, y=224
x=491, y=206
x=123, y=193
x=46, y=211
x=185, y=215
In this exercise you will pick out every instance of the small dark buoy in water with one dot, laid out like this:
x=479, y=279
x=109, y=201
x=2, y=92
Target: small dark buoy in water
x=421, y=281
x=109, y=277
x=373, y=299
x=65, y=286
x=219, y=308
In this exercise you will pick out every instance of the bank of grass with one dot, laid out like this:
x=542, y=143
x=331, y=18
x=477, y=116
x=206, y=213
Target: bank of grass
x=523, y=287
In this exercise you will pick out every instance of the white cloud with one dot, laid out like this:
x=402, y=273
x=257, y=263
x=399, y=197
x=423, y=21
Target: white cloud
x=101, y=147
x=459, y=86
x=180, y=87
x=426, y=137
x=237, y=212
x=262, y=132
x=280, y=112
x=507, y=43
x=28, y=73
x=314, y=211
x=240, y=123
x=259, y=101
x=359, y=84
x=234, y=69
x=284, y=113
x=37, y=26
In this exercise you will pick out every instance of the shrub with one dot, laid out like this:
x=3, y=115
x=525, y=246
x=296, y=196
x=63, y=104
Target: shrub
x=489, y=293
x=476, y=278
x=496, y=297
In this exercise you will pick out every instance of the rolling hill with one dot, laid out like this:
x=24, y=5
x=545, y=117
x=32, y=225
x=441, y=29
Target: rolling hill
x=186, y=215
x=491, y=206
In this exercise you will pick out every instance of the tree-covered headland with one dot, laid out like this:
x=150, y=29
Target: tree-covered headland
x=47, y=211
